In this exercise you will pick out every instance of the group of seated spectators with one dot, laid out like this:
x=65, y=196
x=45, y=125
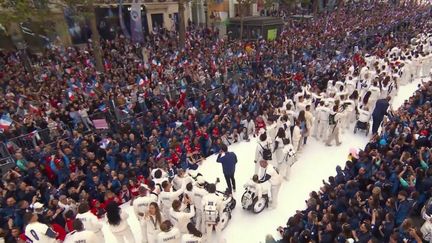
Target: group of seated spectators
x=382, y=191
x=168, y=107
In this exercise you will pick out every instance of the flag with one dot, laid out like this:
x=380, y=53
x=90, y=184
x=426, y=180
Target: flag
x=107, y=65
x=135, y=22
x=104, y=143
x=5, y=122
x=122, y=23
x=167, y=104
x=102, y=107
x=140, y=81
x=71, y=95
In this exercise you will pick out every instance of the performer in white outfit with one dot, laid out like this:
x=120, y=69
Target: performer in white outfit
x=118, y=225
x=90, y=221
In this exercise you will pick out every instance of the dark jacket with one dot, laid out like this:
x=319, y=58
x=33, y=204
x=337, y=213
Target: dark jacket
x=381, y=108
x=228, y=162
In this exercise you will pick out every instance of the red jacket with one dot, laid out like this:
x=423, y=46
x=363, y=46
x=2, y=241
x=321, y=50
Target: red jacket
x=60, y=231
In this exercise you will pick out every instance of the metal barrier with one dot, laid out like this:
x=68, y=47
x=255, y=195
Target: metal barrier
x=7, y=162
x=41, y=137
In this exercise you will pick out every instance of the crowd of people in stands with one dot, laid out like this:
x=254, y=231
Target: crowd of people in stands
x=380, y=193
x=183, y=116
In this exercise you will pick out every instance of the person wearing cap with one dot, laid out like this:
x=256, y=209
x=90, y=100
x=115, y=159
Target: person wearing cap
x=38, y=208
x=140, y=205
x=80, y=234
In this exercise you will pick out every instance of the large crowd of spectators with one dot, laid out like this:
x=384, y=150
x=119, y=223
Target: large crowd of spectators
x=379, y=194
x=180, y=105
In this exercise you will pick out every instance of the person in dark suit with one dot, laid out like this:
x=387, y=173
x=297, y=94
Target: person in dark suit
x=228, y=161
x=379, y=112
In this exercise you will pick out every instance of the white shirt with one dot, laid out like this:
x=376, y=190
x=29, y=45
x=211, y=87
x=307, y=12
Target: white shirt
x=172, y=236
x=123, y=225
x=258, y=188
x=141, y=204
x=90, y=221
x=152, y=226
x=275, y=178
x=197, y=195
x=181, y=219
x=166, y=198
x=84, y=236
x=178, y=181
x=322, y=113
x=36, y=232
x=188, y=238
x=260, y=147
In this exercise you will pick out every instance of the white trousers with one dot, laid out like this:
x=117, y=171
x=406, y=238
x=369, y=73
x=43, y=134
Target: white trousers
x=124, y=235
x=297, y=144
x=275, y=195
x=100, y=236
x=144, y=232
x=209, y=230
x=321, y=130
x=199, y=220
x=285, y=170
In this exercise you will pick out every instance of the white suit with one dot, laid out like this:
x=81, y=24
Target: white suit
x=91, y=223
x=181, y=219
x=196, y=195
x=322, y=116
x=259, y=152
x=166, y=199
x=172, y=236
x=140, y=206
x=152, y=228
x=215, y=201
x=275, y=180
x=288, y=160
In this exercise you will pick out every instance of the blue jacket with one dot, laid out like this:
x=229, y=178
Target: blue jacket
x=381, y=108
x=402, y=211
x=228, y=162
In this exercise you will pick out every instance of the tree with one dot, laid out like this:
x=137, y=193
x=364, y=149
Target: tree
x=86, y=8
x=182, y=24
x=243, y=5
x=13, y=13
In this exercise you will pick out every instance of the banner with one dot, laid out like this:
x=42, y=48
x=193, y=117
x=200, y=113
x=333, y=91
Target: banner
x=122, y=23
x=136, y=24
x=271, y=34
